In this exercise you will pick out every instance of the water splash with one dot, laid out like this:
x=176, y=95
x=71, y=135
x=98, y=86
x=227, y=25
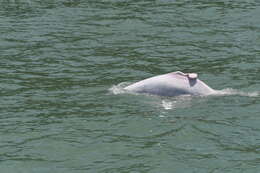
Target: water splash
x=119, y=88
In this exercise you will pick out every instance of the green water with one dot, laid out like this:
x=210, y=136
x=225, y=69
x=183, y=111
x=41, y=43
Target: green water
x=63, y=64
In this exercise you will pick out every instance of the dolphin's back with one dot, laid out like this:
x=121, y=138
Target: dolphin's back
x=171, y=84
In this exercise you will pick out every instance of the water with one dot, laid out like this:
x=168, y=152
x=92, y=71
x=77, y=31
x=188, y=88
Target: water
x=63, y=65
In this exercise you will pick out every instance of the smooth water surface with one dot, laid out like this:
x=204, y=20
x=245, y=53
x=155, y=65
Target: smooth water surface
x=63, y=64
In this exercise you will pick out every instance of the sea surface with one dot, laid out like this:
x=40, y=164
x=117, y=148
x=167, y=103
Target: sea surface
x=64, y=64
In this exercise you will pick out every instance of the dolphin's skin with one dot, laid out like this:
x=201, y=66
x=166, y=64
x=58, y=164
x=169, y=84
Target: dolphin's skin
x=172, y=84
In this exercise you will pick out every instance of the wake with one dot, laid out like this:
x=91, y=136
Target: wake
x=119, y=89
x=234, y=92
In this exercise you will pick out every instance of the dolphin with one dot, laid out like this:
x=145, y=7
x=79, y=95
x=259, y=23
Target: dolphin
x=172, y=84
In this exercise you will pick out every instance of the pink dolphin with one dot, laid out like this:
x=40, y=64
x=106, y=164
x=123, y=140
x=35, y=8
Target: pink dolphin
x=172, y=84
